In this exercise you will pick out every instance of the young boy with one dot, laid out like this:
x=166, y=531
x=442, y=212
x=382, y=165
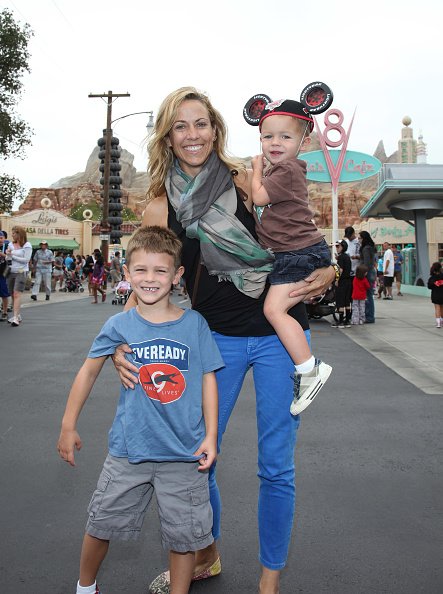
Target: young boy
x=285, y=225
x=164, y=434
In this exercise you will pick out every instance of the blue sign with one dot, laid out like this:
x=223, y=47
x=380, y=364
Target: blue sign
x=356, y=166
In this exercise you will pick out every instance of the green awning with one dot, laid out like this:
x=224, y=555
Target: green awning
x=55, y=244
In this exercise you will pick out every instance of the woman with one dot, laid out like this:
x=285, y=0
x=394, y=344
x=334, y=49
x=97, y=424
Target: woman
x=189, y=166
x=97, y=277
x=367, y=257
x=19, y=253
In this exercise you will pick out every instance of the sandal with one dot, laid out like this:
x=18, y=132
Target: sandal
x=160, y=585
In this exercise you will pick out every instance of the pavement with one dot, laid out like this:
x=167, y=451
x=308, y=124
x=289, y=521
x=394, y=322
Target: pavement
x=368, y=457
x=405, y=337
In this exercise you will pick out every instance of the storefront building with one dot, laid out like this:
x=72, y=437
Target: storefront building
x=63, y=233
x=82, y=237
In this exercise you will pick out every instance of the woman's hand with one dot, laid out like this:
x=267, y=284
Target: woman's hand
x=127, y=372
x=318, y=281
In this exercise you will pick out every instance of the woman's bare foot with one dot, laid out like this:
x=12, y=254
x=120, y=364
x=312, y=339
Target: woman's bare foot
x=205, y=558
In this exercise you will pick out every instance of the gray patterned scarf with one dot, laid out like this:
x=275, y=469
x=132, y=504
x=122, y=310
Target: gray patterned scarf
x=205, y=206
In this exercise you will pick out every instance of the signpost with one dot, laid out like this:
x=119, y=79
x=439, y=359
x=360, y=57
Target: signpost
x=337, y=165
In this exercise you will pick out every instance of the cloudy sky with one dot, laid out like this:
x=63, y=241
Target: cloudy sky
x=381, y=58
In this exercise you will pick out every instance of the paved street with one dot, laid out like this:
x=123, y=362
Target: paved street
x=369, y=463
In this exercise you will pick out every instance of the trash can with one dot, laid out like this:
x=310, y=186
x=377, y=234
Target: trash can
x=409, y=265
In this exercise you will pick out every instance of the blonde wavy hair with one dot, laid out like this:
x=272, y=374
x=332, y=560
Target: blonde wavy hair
x=22, y=235
x=161, y=155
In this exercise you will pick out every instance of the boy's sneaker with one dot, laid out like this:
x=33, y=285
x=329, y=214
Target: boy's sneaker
x=335, y=325
x=4, y=317
x=308, y=385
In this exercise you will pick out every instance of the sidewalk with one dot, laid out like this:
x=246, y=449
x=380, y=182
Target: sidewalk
x=405, y=339
x=56, y=297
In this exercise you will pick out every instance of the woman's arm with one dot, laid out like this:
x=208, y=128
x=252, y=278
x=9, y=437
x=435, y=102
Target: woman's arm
x=156, y=212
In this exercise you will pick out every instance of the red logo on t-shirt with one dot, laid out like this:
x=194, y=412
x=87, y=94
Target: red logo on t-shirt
x=162, y=382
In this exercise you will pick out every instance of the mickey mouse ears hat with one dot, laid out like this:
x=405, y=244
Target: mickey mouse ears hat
x=287, y=107
x=314, y=99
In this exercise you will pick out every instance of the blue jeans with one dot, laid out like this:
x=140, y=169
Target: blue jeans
x=277, y=431
x=369, y=307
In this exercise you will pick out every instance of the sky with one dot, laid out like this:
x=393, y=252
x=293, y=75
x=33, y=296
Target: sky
x=382, y=59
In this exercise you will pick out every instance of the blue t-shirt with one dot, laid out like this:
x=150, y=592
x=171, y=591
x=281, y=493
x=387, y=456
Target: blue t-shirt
x=162, y=418
x=398, y=260
x=68, y=262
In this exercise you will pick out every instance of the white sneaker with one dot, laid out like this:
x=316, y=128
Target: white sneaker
x=308, y=385
x=15, y=319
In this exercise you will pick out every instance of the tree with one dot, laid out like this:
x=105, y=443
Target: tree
x=15, y=133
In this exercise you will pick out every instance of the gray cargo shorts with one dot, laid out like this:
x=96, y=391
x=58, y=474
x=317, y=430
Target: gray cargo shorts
x=124, y=492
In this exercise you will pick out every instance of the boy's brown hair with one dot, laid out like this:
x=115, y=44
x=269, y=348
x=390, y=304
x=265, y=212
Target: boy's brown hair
x=155, y=240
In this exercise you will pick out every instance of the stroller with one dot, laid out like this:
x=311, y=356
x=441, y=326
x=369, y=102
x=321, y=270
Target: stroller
x=121, y=293
x=323, y=306
x=73, y=283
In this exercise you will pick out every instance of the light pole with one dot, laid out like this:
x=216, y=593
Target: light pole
x=106, y=149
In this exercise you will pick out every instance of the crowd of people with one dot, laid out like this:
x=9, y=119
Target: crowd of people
x=22, y=268
x=364, y=274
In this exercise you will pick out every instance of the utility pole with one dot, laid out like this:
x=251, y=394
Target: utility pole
x=106, y=174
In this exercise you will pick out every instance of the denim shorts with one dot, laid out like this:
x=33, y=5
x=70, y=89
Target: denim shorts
x=3, y=287
x=291, y=267
x=124, y=492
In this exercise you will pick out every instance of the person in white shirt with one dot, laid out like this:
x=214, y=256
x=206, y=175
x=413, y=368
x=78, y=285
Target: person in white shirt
x=388, y=269
x=353, y=250
x=19, y=253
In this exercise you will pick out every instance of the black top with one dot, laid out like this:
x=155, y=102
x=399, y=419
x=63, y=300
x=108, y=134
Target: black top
x=344, y=261
x=368, y=256
x=227, y=310
x=435, y=283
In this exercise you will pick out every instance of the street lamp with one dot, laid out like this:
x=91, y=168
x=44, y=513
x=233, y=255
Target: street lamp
x=150, y=123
